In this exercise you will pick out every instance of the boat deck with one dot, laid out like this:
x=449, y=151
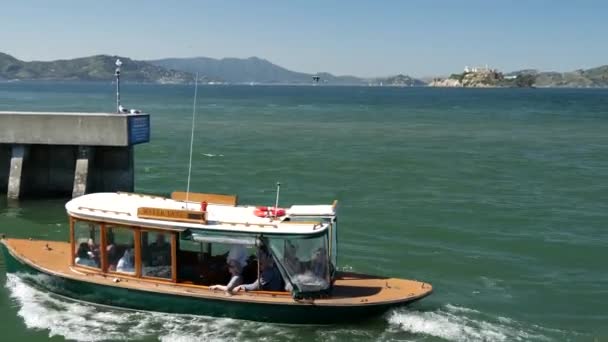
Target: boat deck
x=350, y=289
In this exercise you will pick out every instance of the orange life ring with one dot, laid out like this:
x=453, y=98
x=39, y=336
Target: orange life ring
x=269, y=212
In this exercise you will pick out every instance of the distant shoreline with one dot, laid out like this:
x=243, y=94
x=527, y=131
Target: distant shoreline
x=258, y=71
x=110, y=82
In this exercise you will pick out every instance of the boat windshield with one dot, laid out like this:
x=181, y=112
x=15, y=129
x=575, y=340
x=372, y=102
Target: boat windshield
x=303, y=261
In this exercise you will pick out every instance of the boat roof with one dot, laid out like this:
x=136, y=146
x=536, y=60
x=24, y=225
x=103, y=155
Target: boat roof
x=126, y=208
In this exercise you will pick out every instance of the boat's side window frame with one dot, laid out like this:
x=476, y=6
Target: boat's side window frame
x=333, y=246
x=138, y=258
x=73, y=255
x=173, y=254
x=136, y=249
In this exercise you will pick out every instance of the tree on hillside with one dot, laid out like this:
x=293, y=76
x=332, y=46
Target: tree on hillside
x=525, y=80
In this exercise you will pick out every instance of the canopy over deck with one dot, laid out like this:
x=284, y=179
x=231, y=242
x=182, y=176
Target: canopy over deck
x=127, y=208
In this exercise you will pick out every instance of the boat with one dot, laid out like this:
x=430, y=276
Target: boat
x=164, y=254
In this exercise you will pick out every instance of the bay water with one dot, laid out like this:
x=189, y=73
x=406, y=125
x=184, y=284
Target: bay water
x=497, y=197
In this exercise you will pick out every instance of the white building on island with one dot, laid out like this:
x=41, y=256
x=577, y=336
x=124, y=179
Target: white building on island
x=478, y=69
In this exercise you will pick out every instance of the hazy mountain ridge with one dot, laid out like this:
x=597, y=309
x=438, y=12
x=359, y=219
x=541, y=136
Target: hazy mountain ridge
x=230, y=69
x=399, y=81
x=250, y=70
x=94, y=68
x=169, y=70
x=583, y=78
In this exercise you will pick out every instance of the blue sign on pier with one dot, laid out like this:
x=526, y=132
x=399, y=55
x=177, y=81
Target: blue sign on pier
x=139, y=129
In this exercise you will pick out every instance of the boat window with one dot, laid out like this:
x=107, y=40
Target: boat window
x=190, y=246
x=206, y=263
x=156, y=254
x=120, y=249
x=304, y=262
x=87, y=238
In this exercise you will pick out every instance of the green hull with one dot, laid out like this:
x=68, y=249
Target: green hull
x=153, y=301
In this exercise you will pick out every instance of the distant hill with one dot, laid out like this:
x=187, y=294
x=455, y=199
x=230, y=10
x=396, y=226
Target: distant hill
x=589, y=78
x=258, y=70
x=94, y=68
x=250, y=70
x=399, y=81
x=177, y=70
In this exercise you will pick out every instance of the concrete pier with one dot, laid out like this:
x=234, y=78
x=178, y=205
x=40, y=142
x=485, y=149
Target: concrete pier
x=63, y=154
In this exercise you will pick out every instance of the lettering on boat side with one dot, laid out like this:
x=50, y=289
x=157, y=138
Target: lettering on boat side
x=195, y=216
x=170, y=214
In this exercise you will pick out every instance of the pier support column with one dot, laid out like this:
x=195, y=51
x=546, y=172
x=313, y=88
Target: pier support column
x=81, y=173
x=14, y=177
x=5, y=163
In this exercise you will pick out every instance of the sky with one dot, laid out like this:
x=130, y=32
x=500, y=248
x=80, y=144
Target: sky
x=363, y=38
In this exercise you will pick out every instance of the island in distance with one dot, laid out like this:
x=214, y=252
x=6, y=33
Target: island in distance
x=255, y=70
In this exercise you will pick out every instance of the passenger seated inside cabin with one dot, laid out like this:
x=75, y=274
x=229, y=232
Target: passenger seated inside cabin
x=118, y=240
x=291, y=261
x=235, y=268
x=269, y=278
x=318, y=263
x=94, y=249
x=156, y=255
x=206, y=263
x=84, y=256
x=111, y=251
x=126, y=264
x=310, y=274
x=239, y=254
x=159, y=251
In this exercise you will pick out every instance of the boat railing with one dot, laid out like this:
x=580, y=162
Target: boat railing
x=315, y=224
x=105, y=211
x=248, y=224
x=142, y=195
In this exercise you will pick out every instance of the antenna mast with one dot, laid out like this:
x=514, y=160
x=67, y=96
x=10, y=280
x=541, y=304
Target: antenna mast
x=117, y=74
x=276, y=204
x=192, y=138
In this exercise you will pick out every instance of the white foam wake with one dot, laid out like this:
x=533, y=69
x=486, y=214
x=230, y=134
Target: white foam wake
x=211, y=155
x=80, y=321
x=455, y=323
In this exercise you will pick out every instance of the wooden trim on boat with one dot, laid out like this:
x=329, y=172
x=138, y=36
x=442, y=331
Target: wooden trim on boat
x=103, y=248
x=231, y=200
x=174, y=257
x=90, y=269
x=137, y=256
x=157, y=280
x=72, y=242
x=334, y=205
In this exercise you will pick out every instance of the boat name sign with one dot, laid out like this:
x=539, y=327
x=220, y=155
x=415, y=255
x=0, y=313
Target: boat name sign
x=171, y=214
